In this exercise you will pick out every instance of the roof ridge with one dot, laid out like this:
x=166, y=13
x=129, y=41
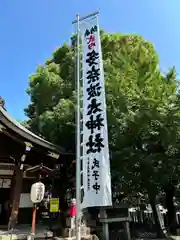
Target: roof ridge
x=20, y=129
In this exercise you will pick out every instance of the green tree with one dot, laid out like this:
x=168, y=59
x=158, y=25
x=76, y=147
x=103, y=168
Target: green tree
x=51, y=88
x=142, y=106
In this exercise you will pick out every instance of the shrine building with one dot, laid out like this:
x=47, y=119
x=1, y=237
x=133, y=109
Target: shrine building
x=22, y=153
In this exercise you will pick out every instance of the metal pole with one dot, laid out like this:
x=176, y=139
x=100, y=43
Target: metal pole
x=84, y=18
x=78, y=187
x=78, y=170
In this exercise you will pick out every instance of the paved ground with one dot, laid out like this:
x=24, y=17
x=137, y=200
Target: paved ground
x=22, y=231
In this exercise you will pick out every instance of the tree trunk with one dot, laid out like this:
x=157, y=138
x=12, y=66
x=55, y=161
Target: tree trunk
x=169, y=190
x=152, y=201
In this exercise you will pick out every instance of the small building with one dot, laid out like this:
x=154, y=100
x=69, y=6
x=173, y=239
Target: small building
x=20, y=151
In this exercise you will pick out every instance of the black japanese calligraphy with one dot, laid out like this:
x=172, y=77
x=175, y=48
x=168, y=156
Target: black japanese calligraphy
x=96, y=187
x=93, y=75
x=94, y=29
x=88, y=175
x=96, y=145
x=87, y=33
x=94, y=107
x=95, y=164
x=91, y=31
x=88, y=184
x=95, y=174
x=90, y=144
x=92, y=56
x=94, y=90
x=95, y=123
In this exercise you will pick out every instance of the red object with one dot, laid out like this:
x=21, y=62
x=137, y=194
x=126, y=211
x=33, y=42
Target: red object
x=34, y=219
x=72, y=211
x=91, y=45
x=91, y=41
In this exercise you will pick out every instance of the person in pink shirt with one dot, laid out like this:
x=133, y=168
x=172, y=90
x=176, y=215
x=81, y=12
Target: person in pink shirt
x=72, y=212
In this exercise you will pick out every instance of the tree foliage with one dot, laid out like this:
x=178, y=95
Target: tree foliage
x=142, y=108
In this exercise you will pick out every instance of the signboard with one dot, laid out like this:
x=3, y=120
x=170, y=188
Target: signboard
x=96, y=165
x=161, y=219
x=5, y=183
x=37, y=192
x=54, y=204
x=25, y=201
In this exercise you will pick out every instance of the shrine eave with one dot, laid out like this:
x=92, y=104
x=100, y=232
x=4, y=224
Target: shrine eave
x=16, y=127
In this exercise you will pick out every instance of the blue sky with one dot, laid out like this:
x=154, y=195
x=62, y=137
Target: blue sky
x=32, y=29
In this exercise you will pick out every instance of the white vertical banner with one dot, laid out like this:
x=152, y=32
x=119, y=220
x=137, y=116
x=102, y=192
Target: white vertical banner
x=96, y=164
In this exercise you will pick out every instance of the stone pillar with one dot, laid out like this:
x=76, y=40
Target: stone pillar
x=16, y=191
x=86, y=219
x=127, y=229
x=105, y=226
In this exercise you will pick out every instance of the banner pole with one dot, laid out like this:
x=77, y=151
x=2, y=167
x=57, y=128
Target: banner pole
x=86, y=17
x=78, y=187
